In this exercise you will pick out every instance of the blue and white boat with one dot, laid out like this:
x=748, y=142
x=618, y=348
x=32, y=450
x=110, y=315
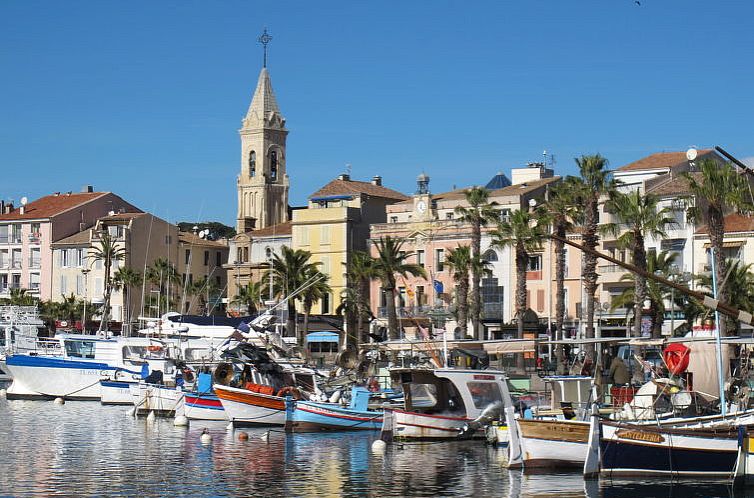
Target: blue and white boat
x=308, y=416
x=202, y=403
x=70, y=366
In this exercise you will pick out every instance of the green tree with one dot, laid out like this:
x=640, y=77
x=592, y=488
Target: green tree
x=479, y=213
x=739, y=280
x=289, y=271
x=71, y=308
x=205, y=290
x=391, y=261
x=250, y=296
x=315, y=291
x=459, y=263
x=164, y=276
x=216, y=229
x=638, y=217
x=359, y=272
x=126, y=279
x=717, y=190
x=107, y=251
x=525, y=234
x=596, y=182
x=20, y=297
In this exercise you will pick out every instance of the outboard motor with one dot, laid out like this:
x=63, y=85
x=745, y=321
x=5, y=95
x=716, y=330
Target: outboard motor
x=490, y=413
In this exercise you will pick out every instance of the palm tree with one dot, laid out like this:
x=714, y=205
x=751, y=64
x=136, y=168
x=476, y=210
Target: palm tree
x=525, y=234
x=662, y=264
x=107, y=251
x=313, y=293
x=561, y=211
x=250, y=295
x=359, y=272
x=289, y=269
x=596, y=181
x=479, y=213
x=70, y=307
x=205, y=289
x=391, y=261
x=739, y=281
x=163, y=274
x=718, y=189
x=20, y=297
x=126, y=279
x=640, y=215
x=459, y=263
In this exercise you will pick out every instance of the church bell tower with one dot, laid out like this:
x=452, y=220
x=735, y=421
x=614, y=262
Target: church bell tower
x=263, y=182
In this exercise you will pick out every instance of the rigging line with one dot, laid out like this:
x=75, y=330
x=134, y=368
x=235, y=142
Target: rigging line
x=144, y=275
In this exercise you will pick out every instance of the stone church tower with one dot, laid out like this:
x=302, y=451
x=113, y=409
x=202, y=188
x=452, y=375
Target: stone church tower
x=263, y=182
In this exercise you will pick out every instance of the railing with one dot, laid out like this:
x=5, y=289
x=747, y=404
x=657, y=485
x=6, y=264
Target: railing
x=35, y=238
x=10, y=239
x=15, y=264
x=611, y=269
x=34, y=286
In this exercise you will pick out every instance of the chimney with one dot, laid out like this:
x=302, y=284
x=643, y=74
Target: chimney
x=377, y=180
x=345, y=177
x=8, y=207
x=87, y=189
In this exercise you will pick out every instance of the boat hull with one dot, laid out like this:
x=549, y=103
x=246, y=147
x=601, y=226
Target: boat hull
x=201, y=407
x=148, y=398
x=553, y=443
x=414, y=425
x=39, y=377
x=305, y=416
x=648, y=451
x=115, y=392
x=247, y=408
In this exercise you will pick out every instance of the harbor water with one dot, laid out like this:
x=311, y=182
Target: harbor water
x=84, y=449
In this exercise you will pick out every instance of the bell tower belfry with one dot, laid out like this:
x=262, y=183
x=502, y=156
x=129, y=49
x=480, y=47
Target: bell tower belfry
x=263, y=182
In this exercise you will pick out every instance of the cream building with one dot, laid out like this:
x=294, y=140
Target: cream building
x=202, y=260
x=336, y=223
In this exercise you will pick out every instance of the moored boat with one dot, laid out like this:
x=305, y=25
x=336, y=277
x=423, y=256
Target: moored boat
x=308, y=416
x=247, y=407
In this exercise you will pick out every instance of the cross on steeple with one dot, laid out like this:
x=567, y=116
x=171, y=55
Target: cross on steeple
x=264, y=39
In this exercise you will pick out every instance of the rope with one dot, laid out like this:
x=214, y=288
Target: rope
x=71, y=393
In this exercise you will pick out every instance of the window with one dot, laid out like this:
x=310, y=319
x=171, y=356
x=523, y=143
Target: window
x=422, y=395
x=79, y=285
x=440, y=259
x=218, y=258
x=252, y=164
x=63, y=285
x=534, y=264
x=273, y=165
x=34, y=280
x=540, y=300
x=16, y=235
x=16, y=258
x=325, y=266
x=168, y=240
x=188, y=257
x=4, y=259
x=490, y=256
x=505, y=215
x=393, y=219
x=36, y=258
x=80, y=349
x=420, y=258
x=15, y=281
x=99, y=287
x=218, y=280
x=383, y=298
x=206, y=258
x=401, y=297
x=449, y=215
x=324, y=234
x=304, y=235
x=3, y=234
x=421, y=297
x=483, y=394
x=325, y=303
x=79, y=258
x=63, y=258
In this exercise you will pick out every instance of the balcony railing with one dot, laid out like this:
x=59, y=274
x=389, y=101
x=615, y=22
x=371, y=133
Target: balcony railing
x=610, y=269
x=15, y=264
x=10, y=239
x=34, y=287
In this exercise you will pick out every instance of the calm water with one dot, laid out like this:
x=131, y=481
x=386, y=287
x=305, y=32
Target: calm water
x=84, y=449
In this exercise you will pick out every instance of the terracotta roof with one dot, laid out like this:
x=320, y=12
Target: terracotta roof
x=77, y=239
x=190, y=238
x=511, y=190
x=281, y=229
x=353, y=187
x=51, y=205
x=661, y=160
x=734, y=223
x=677, y=185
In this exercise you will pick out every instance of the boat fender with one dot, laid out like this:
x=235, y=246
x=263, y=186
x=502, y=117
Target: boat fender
x=294, y=392
x=181, y=421
x=378, y=446
x=243, y=436
x=59, y=401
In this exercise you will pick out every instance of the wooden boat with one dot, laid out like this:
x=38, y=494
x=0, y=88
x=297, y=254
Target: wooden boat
x=202, y=403
x=247, y=407
x=444, y=403
x=308, y=416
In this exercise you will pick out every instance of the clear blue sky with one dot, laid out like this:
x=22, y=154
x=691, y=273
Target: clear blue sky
x=145, y=98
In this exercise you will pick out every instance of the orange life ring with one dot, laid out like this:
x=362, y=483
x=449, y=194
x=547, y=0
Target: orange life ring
x=294, y=392
x=154, y=349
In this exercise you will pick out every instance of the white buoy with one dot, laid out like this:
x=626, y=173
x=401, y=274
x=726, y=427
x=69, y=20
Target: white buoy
x=229, y=426
x=265, y=437
x=205, y=438
x=378, y=446
x=151, y=417
x=180, y=421
x=3, y=393
x=59, y=401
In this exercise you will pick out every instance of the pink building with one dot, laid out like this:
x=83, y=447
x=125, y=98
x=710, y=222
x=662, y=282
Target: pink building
x=27, y=232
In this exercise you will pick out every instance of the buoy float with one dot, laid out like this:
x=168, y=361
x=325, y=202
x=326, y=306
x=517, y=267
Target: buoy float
x=243, y=436
x=151, y=417
x=59, y=401
x=180, y=421
x=205, y=438
x=265, y=437
x=379, y=446
x=3, y=393
x=229, y=426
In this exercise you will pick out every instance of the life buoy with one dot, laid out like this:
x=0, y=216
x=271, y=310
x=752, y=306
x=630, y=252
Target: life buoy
x=676, y=357
x=294, y=392
x=154, y=348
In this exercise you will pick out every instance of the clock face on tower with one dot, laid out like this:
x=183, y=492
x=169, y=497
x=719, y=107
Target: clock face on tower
x=421, y=206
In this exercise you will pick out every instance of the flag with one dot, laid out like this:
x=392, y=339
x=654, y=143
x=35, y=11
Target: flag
x=438, y=286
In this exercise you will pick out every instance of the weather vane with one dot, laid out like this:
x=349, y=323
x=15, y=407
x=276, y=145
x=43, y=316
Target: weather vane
x=264, y=39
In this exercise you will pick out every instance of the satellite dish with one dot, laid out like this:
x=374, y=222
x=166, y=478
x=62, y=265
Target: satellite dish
x=24, y=201
x=691, y=154
x=532, y=202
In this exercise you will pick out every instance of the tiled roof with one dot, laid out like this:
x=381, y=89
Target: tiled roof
x=51, y=205
x=353, y=187
x=77, y=239
x=281, y=229
x=511, y=190
x=734, y=223
x=661, y=160
x=190, y=238
x=677, y=185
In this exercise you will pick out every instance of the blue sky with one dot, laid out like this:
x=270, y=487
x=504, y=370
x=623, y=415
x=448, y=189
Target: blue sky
x=145, y=98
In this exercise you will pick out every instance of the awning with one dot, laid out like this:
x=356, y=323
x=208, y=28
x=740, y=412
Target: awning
x=322, y=337
x=508, y=347
x=729, y=243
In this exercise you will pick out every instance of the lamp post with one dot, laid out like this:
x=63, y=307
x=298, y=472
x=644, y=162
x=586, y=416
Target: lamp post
x=85, y=271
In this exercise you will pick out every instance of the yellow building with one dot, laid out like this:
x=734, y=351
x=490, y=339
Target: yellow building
x=336, y=223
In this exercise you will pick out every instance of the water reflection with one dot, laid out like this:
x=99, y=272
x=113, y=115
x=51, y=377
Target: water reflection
x=85, y=449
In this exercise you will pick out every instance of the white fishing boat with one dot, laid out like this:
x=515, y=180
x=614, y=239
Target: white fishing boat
x=246, y=407
x=444, y=403
x=158, y=398
x=19, y=330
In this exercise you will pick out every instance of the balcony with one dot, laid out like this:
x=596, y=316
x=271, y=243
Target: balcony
x=10, y=239
x=35, y=238
x=534, y=275
x=35, y=263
